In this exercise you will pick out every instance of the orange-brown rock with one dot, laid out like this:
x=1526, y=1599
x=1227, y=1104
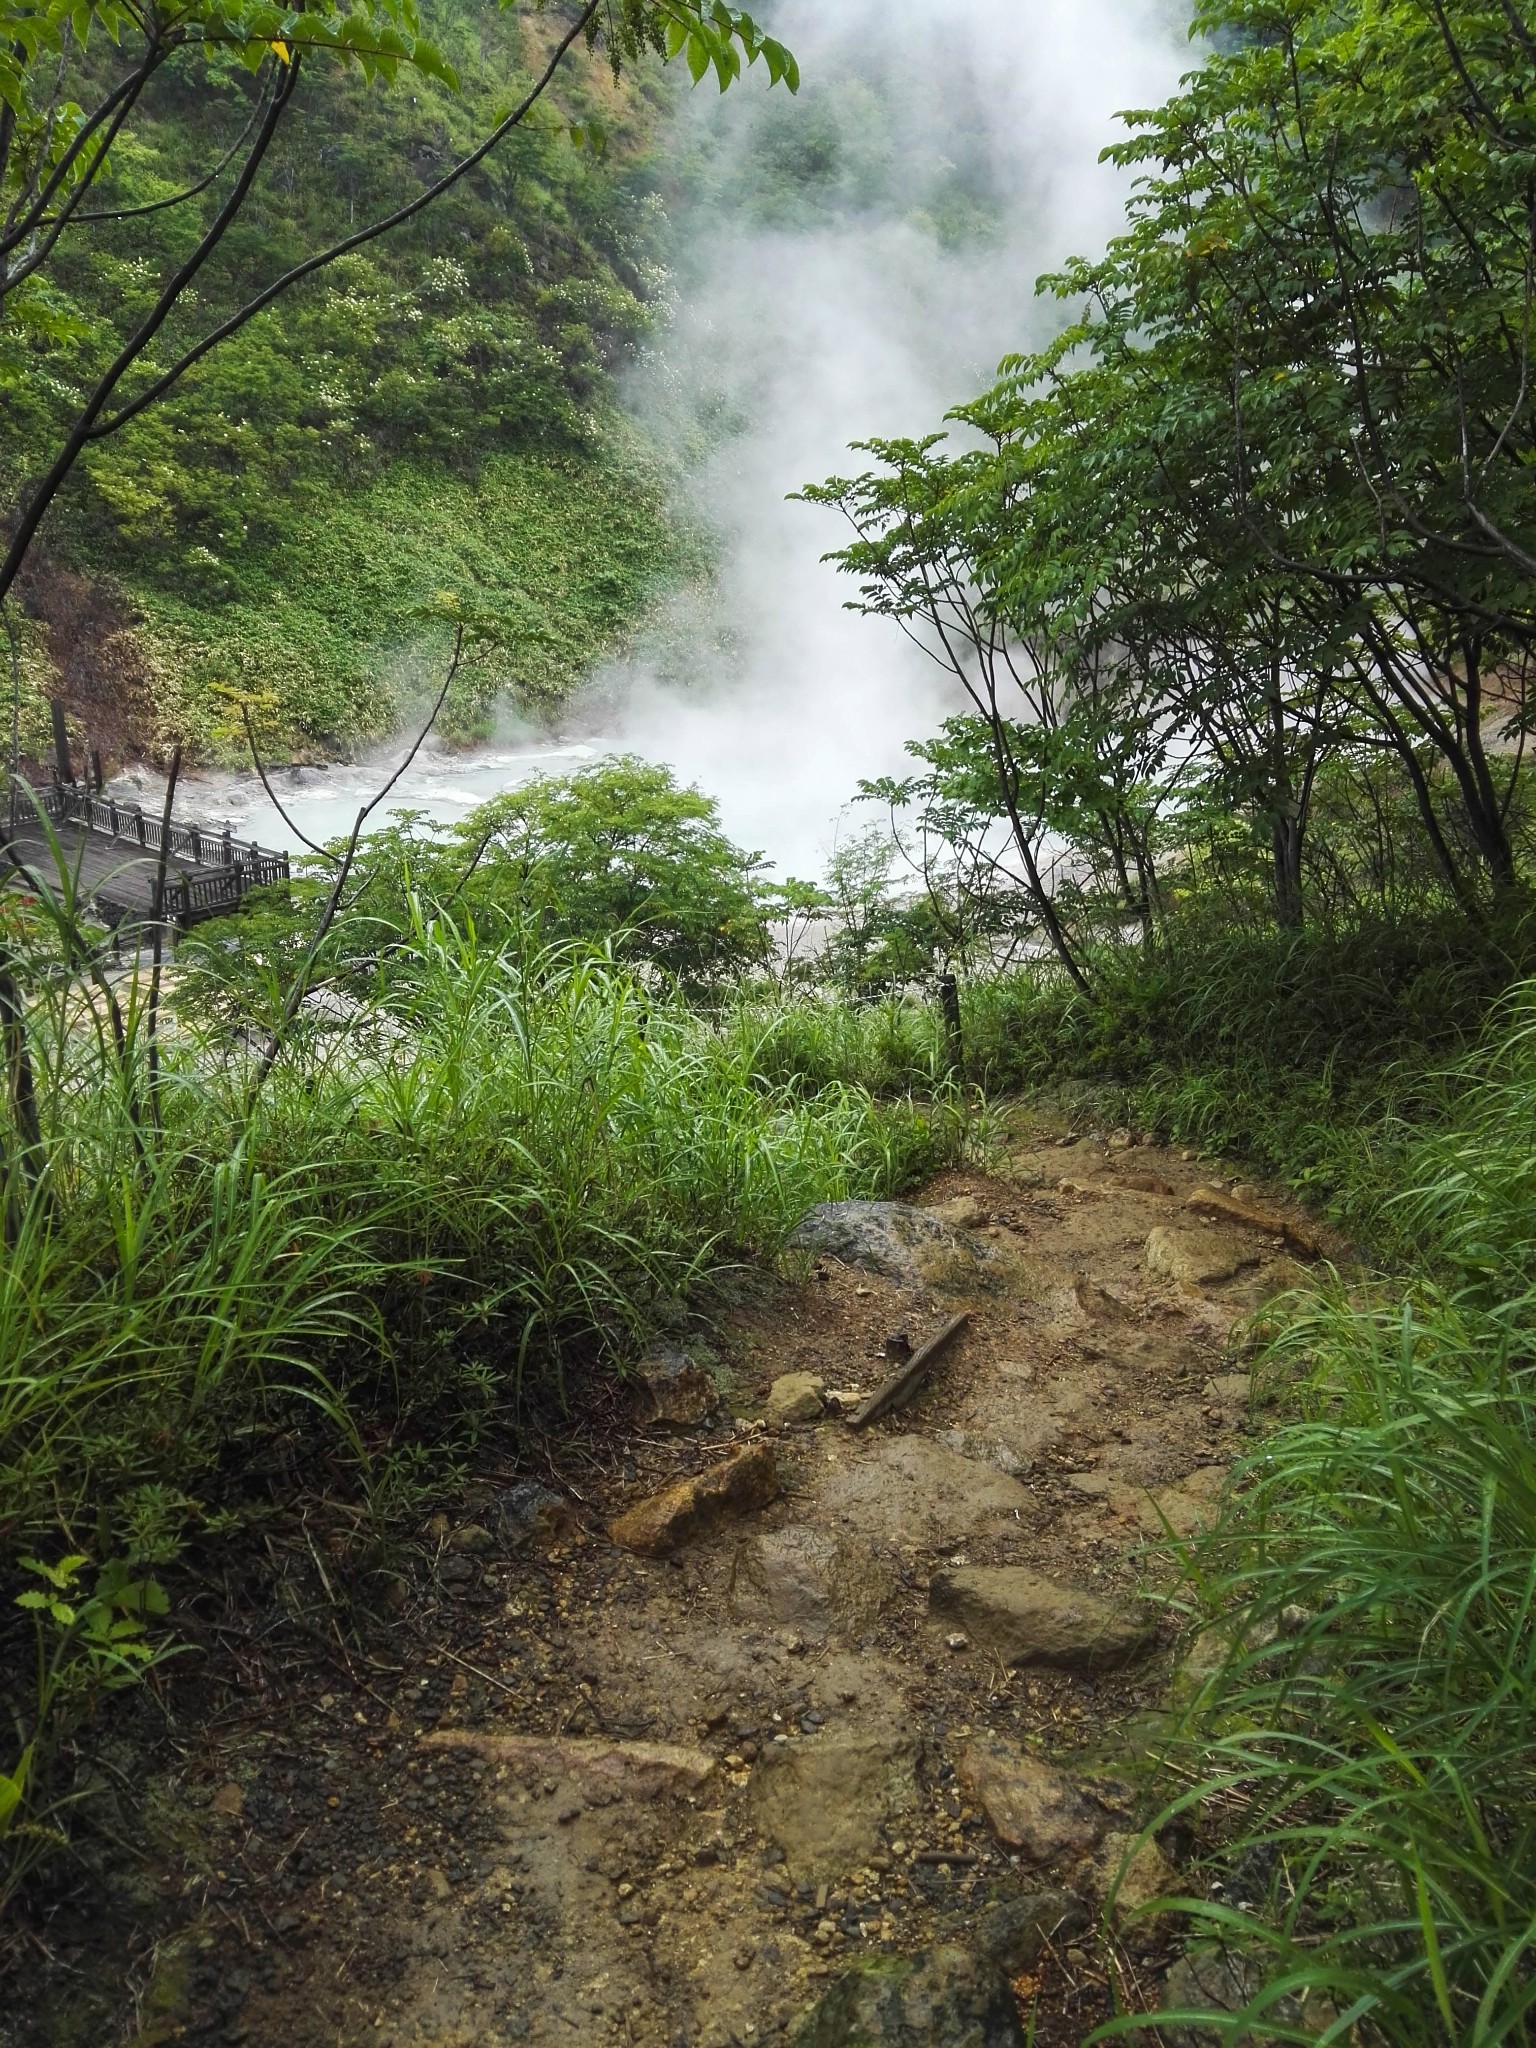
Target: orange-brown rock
x=695, y=1507
x=643, y=1770
x=1224, y=1208
x=1031, y=1806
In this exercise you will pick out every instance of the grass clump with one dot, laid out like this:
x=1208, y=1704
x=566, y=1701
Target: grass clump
x=1370, y=1725
x=500, y=1165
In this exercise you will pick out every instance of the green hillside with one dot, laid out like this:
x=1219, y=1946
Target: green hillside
x=432, y=413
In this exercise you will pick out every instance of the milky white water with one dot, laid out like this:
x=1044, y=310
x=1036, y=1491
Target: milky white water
x=322, y=804
x=797, y=325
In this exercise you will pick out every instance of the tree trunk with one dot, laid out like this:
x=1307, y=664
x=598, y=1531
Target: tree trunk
x=954, y=1037
x=28, y=1161
x=1286, y=837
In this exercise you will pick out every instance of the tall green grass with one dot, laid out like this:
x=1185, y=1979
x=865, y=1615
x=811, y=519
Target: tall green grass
x=499, y=1164
x=1365, y=1754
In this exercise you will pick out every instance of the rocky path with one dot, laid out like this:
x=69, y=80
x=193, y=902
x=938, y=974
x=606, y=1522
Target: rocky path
x=776, y=1730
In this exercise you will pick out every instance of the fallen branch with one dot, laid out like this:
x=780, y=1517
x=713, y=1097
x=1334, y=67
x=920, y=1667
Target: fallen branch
x=898, y=1390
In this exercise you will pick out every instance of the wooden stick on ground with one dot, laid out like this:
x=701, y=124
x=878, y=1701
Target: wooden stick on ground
x=898, y=1391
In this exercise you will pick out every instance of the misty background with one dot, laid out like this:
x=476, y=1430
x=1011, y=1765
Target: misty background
x=849, y=262
x=852, y=262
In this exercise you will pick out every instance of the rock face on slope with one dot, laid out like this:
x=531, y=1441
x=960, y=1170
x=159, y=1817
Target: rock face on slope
x=944, y=1999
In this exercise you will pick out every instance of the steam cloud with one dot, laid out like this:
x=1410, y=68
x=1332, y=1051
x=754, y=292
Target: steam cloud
x=945, y=154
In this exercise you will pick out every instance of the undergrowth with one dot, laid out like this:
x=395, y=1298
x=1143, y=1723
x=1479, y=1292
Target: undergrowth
x=503, y=1163
x=1360, y=1739
x=1317, y=1056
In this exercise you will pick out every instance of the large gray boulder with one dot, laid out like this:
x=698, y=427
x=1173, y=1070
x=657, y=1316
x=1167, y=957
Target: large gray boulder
x=946, y=1998
x=898, y=1242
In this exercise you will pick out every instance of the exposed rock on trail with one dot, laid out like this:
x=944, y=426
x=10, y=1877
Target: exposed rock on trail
x=1249, y=1215
x=1030, y=1806
x=907, y=1488
x=774, y=1731
x=696, y=1507
x=796, y=1397
x=681, y=1392
x=919, y=1246
x=805, y=1579
x=944, y=2000
x=1197, y=1258
x=530, y=1514
x=825, y=1803
x=1025, y=1618
x=643, y=1770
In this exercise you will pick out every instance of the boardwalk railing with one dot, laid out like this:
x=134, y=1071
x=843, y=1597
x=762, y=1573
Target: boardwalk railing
x=229, y=866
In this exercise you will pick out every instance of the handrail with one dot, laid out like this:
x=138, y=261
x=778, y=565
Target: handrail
x=230, y=867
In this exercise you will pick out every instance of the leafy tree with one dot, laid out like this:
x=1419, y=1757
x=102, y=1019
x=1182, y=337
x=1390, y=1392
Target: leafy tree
x=916, y=555
x=1263, y=505
x=969, y=909
x=619, y=853
x=1308, y=351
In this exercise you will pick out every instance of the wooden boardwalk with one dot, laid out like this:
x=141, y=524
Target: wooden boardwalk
x=113, y=851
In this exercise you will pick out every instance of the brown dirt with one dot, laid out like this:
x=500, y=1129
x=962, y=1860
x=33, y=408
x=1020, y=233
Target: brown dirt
x=102, y=677
x=337, y=1879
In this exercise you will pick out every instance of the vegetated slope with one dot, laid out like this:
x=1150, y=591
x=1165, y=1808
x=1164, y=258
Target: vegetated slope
x=430, y=413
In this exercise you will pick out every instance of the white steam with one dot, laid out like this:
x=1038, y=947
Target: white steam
x=948, y=152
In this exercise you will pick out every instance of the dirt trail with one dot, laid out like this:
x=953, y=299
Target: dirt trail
x=739, y=1768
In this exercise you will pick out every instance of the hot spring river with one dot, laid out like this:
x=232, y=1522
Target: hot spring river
x=323, y=802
